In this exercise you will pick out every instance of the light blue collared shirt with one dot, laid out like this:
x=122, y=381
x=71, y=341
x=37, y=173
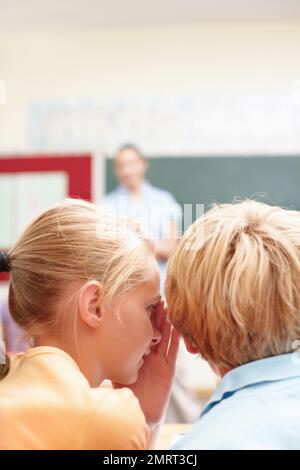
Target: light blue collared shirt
x=255, y=406
x=155, y=210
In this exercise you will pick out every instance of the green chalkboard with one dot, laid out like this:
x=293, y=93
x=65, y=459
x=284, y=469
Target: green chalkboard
x=204, y=180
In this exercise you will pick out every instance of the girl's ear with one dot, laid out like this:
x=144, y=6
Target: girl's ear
x=89, y=304
x=191, y=347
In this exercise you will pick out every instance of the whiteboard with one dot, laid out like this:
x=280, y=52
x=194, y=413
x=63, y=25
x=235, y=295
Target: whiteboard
x=23, y=197
x=250, y=121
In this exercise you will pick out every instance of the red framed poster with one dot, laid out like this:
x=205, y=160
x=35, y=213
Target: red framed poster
x=62, y=175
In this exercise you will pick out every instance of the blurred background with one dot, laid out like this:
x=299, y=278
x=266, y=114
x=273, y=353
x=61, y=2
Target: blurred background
x=209, y=90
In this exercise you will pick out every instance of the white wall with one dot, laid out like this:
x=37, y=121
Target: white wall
x=114, y=62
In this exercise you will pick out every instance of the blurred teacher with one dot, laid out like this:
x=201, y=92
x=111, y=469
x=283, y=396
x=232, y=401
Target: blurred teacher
x=155, y=209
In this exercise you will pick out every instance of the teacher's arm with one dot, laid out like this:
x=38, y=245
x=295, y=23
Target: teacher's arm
x=164, y=247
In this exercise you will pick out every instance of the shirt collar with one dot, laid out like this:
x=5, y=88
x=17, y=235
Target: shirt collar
x=146, y=187
x=271, y=369
x=46, y=350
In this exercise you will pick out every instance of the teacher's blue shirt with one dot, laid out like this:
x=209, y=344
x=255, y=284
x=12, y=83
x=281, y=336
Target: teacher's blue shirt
x=255, y=406
x=155, y=210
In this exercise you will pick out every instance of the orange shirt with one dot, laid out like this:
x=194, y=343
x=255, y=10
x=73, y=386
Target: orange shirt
x=47, y=403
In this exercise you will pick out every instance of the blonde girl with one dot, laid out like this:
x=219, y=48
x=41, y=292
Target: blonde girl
x=85, y=288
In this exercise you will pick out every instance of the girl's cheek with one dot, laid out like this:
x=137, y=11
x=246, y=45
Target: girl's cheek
x=146, y=330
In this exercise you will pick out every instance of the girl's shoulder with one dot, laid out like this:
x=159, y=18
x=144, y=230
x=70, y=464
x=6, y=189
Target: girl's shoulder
x=116, y=422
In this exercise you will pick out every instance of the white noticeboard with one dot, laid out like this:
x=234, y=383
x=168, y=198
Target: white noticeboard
x=233, y=121
x=23, y=197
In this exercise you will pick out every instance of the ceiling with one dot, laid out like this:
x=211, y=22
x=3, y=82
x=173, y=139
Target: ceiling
x=36, y=15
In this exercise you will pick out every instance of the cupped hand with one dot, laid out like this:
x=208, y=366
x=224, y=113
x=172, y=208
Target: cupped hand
x=154, y=383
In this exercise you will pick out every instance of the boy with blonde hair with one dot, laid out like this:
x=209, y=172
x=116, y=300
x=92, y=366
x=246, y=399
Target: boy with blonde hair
x=233, y=291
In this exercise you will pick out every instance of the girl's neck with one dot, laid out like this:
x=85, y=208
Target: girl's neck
x=86, y=364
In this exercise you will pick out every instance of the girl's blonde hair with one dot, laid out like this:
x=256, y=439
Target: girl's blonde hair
x=73, y=242
x=233, y=283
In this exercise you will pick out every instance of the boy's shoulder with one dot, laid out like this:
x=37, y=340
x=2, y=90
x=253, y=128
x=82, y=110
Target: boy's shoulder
x=221, y=428
x=248, y=419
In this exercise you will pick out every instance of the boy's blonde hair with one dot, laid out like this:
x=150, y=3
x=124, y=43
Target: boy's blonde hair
x=233, y=283
x=73, y=242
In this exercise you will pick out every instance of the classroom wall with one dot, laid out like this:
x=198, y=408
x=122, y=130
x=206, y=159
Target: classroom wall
x=142, y=61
